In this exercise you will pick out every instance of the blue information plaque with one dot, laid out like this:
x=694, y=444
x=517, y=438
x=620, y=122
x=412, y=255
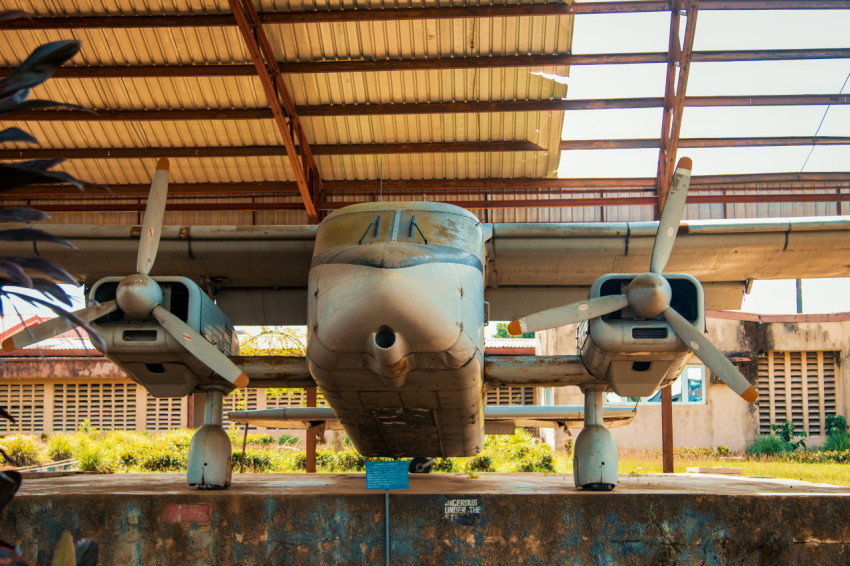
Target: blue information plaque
x=387, y=475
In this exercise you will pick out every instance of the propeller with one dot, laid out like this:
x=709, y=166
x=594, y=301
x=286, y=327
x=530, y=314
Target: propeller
x=140, y=297
x=649, y=295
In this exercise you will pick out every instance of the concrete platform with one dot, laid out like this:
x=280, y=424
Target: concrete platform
x=442, y=518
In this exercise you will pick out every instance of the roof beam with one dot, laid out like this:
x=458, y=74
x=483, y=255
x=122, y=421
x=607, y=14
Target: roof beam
x=280, y=102
x=674, y=96
x=664, y=6
x=635, y=200
x=775, y=182
x=432, y=63
x=387, y=14
x=704, y=142
x=382, y=109
x=268, y=150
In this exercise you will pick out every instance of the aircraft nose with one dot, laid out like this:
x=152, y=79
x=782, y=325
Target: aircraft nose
x=389, y=354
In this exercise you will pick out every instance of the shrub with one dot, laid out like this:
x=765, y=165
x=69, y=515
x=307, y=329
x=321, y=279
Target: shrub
x=287, y=440
x=769, y=446
x=349, y=461
x=480, y=463
x=836, y=442
x=787, y=433
x=835, y=424
x=446, y=465
x=163, y=458
x=92, y=458
x=22, y=449
x=539, y=459
x=255, y=461
x=59, y=448
x=300, y=460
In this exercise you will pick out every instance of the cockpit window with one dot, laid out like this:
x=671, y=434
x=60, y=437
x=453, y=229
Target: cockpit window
x=407, y=226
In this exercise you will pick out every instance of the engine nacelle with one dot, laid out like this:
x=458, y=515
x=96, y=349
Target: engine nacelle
x=636, y=355
x=148, y=354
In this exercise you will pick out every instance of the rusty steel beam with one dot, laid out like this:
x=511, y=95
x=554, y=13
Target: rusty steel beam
x=704, y=142
x=667, y=430
x=151, y=20
x=293, y=17
x=674, y=108
x=435, y=63
x=775, y=182
x=288, y=124
x=674, y=54
x=625, y=201
x=633, y=200
x=236, y=191
x=269, y=150
x=664, y=6
x=380, y=109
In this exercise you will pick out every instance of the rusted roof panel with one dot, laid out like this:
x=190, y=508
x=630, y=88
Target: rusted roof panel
x=371, y=40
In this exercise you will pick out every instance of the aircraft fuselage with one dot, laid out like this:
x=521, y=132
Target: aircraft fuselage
x=396, y=327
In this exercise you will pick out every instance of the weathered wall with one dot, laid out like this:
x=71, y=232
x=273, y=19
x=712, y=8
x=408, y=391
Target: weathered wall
x=319, y=522
x=725, y=419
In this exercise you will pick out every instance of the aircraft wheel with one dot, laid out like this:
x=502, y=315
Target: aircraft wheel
x=598, y=486
x=420, y=465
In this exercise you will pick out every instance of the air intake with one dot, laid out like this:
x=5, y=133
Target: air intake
x=654, y=333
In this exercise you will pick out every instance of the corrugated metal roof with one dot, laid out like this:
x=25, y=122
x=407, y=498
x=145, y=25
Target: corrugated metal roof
x=339, y=41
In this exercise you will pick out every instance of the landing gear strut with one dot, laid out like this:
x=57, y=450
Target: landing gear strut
x=210, y=452
x=595, y=455
x=420, y=465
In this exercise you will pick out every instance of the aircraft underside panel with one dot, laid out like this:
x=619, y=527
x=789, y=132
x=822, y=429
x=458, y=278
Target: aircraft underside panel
x=435, y=414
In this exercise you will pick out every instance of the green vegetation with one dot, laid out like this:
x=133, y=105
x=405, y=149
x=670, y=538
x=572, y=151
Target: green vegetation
x=22, y=449
x=769, y=445
x=100, y=451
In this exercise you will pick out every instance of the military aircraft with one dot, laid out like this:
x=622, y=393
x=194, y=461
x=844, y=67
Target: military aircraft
x=395, y=296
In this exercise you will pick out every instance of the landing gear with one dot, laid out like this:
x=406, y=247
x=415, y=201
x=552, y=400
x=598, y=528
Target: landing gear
x=595, y=455
x=210, y=452
x=420, y=465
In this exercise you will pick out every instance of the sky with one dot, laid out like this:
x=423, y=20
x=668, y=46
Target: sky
x=719, y=30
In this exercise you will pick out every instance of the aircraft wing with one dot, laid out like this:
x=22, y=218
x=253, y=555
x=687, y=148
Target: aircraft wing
x=275, y=371
x=498, y=419
x=536, y=371
x=532, y=267
x=499, y=371
x=259, y=273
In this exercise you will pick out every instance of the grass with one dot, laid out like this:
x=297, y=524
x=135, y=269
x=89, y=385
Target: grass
x=120, y=451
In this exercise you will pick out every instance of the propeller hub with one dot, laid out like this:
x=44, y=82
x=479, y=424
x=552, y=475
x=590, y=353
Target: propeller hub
x=649, y=295
x=137, y=295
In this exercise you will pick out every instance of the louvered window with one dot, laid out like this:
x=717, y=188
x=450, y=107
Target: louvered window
x=293, y=398
x=239, y=400
x=511, y=396
x=107, y=406
x=25, y=402
x=796, y=386
x=164, y=413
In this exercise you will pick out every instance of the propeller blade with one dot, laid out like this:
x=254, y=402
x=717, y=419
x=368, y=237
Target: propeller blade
x=152, y=223
x=568, y=314
x=710, y=356
x=671, y=216
x=199, y=347
x=55, y=326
